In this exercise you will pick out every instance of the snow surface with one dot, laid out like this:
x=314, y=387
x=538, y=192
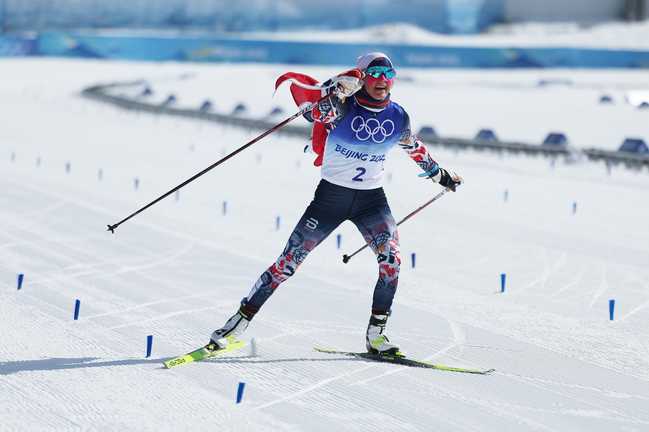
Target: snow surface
x=614, y=35
x=179, y=270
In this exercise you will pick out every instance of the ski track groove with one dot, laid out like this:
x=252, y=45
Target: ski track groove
x=42, y=250
x=547, y=271
x=164, y=317
x=65, y=312
x=147, y=304
x=634, y=311
x=505, y=332
x=156, y=227
x=27, y=392
x=540, y=381
x=88, y=271
x=571, y=284
x=615, y=415
x=32, y=223
x=602, y=287
x=495, y=409
x=313, y=387
x=640, y=307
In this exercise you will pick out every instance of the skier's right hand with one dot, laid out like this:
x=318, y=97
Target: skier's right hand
x=347, y=83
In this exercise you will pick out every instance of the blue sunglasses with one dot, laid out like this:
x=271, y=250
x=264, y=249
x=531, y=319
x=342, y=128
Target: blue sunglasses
x=377, y=71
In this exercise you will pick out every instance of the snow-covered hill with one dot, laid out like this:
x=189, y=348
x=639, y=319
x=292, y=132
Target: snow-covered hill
x=178, y=270
x=614, y=35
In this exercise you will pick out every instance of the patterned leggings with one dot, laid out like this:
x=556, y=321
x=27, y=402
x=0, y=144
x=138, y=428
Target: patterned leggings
x=332, y=205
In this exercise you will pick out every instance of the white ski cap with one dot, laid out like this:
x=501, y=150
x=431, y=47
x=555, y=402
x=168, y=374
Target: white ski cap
x=364, y=61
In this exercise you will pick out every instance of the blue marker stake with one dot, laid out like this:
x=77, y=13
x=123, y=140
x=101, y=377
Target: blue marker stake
x=277, y=223
x=506, y=195
x=339, y=240
x=412, y=259
x=20, y=280
x=136, y=183
x=574, y=207
x=68, y=167
x=77, y=306
x=100, y=174
x=149, y=345
x=503, y=279
x=242, y=385
x=611, y=309
x=225, y=208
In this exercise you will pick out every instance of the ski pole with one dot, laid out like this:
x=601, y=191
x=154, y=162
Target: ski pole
x=346, y=257
x=113, y=227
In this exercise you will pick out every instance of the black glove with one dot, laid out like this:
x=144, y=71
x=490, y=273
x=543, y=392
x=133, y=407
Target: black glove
x=448, y=180
x=324, y=112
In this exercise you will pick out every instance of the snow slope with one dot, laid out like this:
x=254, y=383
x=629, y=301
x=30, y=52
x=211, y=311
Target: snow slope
x=178, y=270
x=614, y=35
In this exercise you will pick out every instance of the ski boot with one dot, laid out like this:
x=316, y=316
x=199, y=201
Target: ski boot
x=375, y=339
x=231, y=330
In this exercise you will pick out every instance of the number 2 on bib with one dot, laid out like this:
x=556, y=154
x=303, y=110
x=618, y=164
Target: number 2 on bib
x=361, y=172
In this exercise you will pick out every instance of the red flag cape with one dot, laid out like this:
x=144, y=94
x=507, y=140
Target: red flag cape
x=305, y=89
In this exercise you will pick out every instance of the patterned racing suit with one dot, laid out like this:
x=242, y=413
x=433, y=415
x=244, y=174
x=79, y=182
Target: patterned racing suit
x=359, y=139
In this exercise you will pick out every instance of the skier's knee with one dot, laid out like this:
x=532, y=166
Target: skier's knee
x=284, y=267
x=293, y=255
x=390, y=263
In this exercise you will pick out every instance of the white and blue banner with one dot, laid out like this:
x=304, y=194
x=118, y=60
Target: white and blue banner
x=226, y=49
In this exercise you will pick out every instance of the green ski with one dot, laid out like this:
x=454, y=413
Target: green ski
x=205, y=352
x=403, y=360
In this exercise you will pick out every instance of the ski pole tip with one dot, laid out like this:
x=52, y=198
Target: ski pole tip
x=346, y=258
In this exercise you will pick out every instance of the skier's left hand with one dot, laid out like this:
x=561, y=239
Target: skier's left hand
x=449, y=180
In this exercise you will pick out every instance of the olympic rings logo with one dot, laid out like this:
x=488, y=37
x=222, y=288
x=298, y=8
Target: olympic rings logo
x=372, y=128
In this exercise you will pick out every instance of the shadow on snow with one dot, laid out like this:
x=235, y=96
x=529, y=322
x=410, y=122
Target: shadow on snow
x=62, y=363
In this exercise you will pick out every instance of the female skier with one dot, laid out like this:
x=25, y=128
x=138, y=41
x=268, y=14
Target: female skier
x=360, y=124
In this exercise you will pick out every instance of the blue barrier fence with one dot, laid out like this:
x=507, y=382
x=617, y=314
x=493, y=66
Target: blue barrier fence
x=224, y=49
x=16, y=46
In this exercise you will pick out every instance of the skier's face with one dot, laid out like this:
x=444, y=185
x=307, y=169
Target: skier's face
x=378, y=88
